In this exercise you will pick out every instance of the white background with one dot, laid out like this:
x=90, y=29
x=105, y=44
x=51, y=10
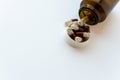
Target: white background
x=32, y=45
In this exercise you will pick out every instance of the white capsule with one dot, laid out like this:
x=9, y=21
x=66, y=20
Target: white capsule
x=68, y=23
x=70, y=31
x=74, y=27
x=78, y=39
x=86, y=34
x=79, y=23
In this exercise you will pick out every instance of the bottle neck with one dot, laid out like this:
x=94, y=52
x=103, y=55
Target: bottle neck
x=89, y=16
x=93, y=10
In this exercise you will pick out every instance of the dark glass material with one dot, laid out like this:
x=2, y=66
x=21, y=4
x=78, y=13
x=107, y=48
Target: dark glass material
x=96, y=10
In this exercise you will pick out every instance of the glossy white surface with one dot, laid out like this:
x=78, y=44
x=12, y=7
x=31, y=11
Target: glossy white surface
x=32, y=45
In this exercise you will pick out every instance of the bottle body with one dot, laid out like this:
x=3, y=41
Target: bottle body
x=96, y=10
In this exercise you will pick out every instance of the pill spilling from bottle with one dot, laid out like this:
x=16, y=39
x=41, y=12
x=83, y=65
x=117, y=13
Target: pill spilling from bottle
x=91, y=12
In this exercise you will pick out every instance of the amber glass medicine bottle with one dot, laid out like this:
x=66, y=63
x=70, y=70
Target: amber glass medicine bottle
x=96, y=11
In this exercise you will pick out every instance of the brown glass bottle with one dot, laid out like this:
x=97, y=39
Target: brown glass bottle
x=96, y=11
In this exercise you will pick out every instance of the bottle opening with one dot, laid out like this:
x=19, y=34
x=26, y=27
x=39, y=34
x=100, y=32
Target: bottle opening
x=90, y=14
